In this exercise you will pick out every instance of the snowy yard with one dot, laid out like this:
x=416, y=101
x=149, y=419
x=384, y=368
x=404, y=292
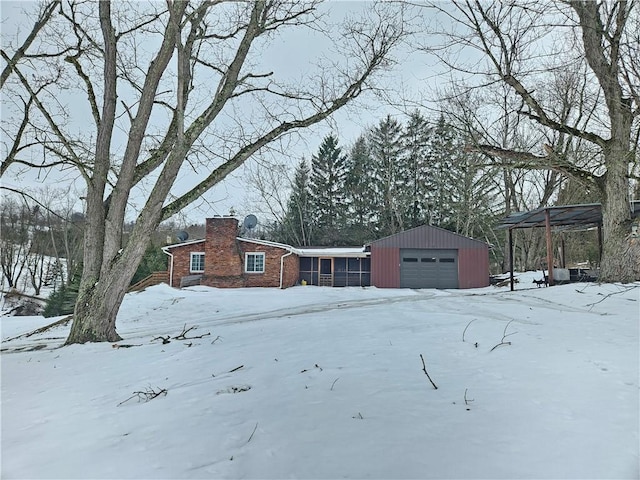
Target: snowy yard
x=314, y=382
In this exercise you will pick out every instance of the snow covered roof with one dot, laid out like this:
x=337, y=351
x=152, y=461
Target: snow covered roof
x=182, y=244
x=267, y=243
x=350, y=252
x=343, y=252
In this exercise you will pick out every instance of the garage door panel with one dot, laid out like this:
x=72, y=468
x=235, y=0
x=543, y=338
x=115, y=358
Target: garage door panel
x=428, y=268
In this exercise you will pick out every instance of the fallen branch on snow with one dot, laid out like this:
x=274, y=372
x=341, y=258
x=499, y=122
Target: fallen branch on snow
x=465, y=328
x=62, y=322
x=424, y=369
x=146, y=396
x=624, y=290
x=185, y=330
x=504, y=335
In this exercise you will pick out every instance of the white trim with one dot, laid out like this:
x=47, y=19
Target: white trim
x=343, y=252
x=170, y=267
x=246, y=261
x=282, y=267
x=176, y=245
x=191, y=255
x=268, y=244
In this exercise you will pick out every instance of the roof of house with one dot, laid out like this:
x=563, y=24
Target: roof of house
x=353, y=252
x=343, y=252
x=182, y=244
x=428, y=236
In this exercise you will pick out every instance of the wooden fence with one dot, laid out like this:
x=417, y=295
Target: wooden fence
x=154, y=279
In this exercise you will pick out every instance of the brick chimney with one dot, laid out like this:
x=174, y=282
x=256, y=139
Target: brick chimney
x=222, y=257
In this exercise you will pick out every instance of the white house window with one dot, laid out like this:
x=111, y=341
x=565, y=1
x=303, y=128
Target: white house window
x=197, y=262
x=254, y=262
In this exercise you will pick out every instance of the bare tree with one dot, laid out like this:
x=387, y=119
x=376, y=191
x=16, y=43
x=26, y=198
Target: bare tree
x=15, y=223
x=519, y=44
x=171, y=89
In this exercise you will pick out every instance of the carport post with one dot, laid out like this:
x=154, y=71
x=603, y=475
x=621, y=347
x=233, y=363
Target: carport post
x=511, y=257
x=547, y=224
x=599, y=243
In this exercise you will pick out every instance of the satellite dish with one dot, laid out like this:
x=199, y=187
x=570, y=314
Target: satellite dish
x=250, y=221
x=182, y=236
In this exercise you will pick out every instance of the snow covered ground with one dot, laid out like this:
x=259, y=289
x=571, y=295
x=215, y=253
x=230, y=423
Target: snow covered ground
x=313, y=382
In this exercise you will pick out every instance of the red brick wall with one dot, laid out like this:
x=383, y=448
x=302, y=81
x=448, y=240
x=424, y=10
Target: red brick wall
x=225, y=257
x=223, y=262
x=182, y=261
x=272, y=259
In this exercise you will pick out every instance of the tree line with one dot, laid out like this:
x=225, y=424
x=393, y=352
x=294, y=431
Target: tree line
x=394, y=177
x=399, y=175
x=41, y=247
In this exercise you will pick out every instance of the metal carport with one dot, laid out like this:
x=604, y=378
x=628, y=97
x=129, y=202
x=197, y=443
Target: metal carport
x=570, y=216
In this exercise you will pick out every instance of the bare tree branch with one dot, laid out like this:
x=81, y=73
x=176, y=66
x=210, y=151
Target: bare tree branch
x=44, y=16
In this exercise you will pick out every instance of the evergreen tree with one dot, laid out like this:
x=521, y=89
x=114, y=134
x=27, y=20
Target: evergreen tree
x=358, y=188
x=295, y=228
x=462, y=190
x=62, y=299
x=389, y=176
x=327, y=187
x=415, y=142
x=443, y=151
x=154, y=260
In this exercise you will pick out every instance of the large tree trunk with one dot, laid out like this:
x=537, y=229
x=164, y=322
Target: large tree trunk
x=95, y=314
x=618, y=262
x=94, y=317
x=620, y=255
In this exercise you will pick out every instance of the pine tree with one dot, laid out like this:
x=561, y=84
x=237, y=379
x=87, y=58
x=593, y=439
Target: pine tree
x=296, y=225
x=327, y=187
x=442, y=175
x=463, y=191
x=358, y=188
x=415, y=142
x=390, y=176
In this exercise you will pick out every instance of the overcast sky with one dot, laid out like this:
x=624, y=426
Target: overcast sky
x=293, y=50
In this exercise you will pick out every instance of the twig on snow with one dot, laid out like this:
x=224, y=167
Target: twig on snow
x=424, y=369
x=504, y=335
x=254, y=431
x=185, y=330
x=334, y=382
x=467, y=401
x=465, y=328
x=624, y=290
x=146, y=396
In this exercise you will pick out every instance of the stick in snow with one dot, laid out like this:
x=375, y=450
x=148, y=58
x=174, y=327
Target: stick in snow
x=424, y=369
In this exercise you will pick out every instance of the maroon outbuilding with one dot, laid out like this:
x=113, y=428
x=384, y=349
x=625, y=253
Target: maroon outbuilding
x=429, y=257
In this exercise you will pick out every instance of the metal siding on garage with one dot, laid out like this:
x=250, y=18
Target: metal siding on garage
x=473, y=267
x=385, y=272
x=428, y=268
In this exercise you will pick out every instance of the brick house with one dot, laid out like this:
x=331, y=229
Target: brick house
x=222, y=259
x=423, y=257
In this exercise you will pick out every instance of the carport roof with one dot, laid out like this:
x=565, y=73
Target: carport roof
x=585, y=215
